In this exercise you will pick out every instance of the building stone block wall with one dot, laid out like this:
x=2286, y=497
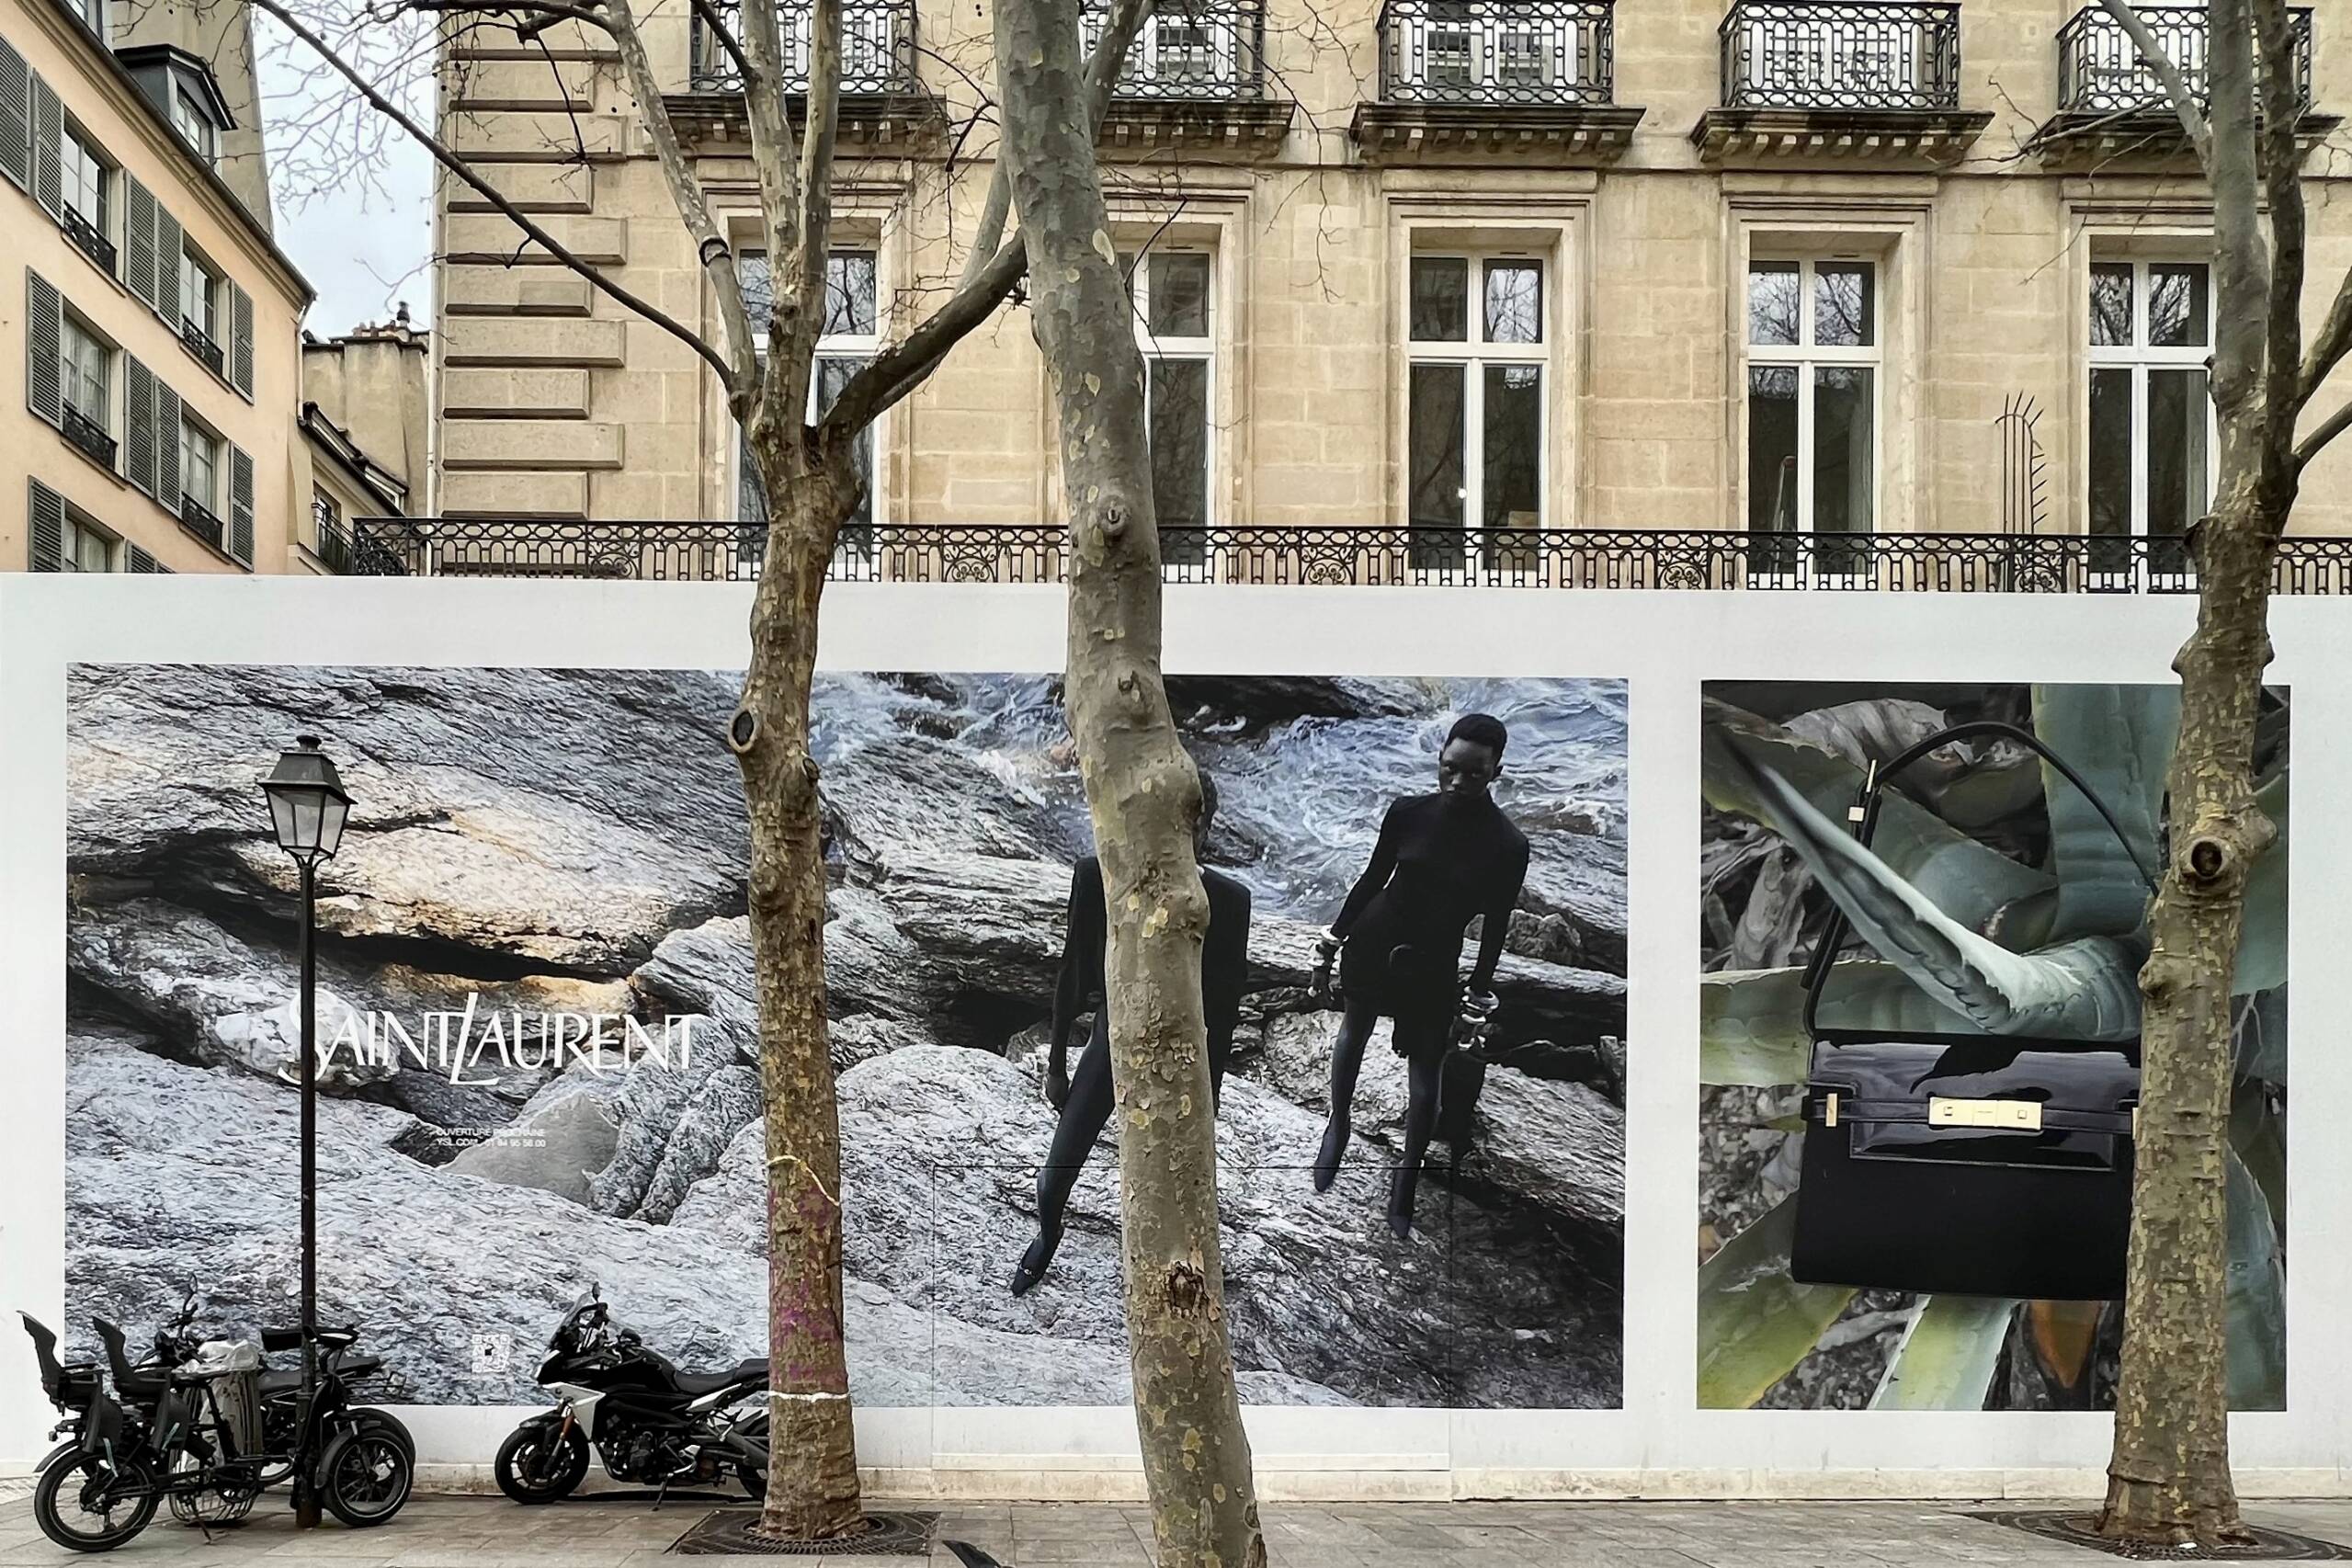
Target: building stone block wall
x=1982, y=269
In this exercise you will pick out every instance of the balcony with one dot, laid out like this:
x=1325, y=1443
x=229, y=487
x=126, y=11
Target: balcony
x=1842, y=78
x=1344, y=557
x=1194, y=76
x=1482, y=78
x=199, y=343
x=197, y=520
x=88, y=436
x=883, y=101
x=87, y=238
x=2112, y=105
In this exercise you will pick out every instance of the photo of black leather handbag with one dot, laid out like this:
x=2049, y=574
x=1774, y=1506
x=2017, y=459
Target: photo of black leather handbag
x=1966, y=1165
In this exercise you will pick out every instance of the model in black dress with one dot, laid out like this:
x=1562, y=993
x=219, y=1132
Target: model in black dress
x=1442, y=860
x=1085, y=1102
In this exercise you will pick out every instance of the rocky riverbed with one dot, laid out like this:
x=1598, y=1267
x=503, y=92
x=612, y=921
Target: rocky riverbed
x=536, y=845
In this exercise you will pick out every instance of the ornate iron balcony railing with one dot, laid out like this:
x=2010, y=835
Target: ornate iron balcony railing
x=1497, y=51
x=2100, y=70
x=1189, y=50
x=197, y=520
x=877, y=49
x=89, y=436
x=89, y=238
x=199, y=343
x=1372, y=557
x=1840, y=54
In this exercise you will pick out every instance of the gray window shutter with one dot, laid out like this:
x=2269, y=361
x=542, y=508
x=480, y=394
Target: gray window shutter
x=240, y=339
x=167, y=413
x=48, y=153
x=139, y=242
x=142, y=562
x=138, y=425
x=44, y=377
x=169, y=241
x=48, y=529
x=241, y=505
x=16, y=118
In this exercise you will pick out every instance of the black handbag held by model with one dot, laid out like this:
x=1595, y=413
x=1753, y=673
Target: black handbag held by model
x=1964, y=1165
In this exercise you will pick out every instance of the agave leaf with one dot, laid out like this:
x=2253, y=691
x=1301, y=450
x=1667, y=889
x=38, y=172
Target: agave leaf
x=2063, y=1337
x=1945, y=1358
x=1754, y=1322
x=1752, y=1021
x=2258, y=1294
x=2262, y=945
x=2085, y=989
x=2119, y=738
x=2260, y=1139
x=1976, y=885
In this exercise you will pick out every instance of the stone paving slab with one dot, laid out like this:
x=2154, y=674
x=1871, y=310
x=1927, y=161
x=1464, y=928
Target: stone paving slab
x=483, y=1532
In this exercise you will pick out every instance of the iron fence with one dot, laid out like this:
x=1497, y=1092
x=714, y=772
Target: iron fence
x=1840, y=54
x=877, y=49
x=1367, y=557
x=1497, y=51
x=2100, y=70
x=1189, y=51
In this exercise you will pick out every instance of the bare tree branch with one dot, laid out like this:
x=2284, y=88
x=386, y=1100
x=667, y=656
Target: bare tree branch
x=816, y=190
x=2334, y=425
x=2242, y=262
x=464, y=171
x=773, y=160
x=2183, y=102
x=708, y=16
x=2334, y=340
x=2281, y=159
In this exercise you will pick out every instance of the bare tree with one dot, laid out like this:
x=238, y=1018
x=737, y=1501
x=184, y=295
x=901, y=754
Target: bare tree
x=2169, y=1479
x=806, y=468
x=1144, y=796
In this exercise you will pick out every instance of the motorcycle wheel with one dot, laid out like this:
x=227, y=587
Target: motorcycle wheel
x=531, y=1468
x=365, y=1476
x=754, y=1477
x=367, y=1418
x=88, y=1518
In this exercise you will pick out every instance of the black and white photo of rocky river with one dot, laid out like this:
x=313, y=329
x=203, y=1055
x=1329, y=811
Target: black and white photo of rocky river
x=545, y=844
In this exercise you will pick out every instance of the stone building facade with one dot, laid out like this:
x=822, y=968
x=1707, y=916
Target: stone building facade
x=1784, y=264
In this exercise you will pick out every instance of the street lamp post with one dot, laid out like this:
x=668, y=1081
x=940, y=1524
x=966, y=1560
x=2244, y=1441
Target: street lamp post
x=307, y=809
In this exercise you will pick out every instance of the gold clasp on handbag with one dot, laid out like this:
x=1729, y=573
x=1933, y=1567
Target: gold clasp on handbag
x=2017, y=1115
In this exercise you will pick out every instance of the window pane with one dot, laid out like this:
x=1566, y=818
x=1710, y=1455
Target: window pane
x=1772, y=449
x=849, y=293
x=2111, y=305
x=1434, y=478
x=2176, y=307
x=2177, y=461
x=1515, y=302
x=1845, y=304
x=1179, y=295
x=1772, y=302
x=757, y=283
x=1440, y=298
x=1844, y=451
x=1178, y=390
x=2110, y=469
x=1511, y=483
x=832, y=375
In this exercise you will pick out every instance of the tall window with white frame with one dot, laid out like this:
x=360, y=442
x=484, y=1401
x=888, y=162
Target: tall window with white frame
x=1813, y=360
x=851, y=336
x=1174, y=294
x=85, y=177
x=1476, y=405
x=87, y=547
x=85, y=367
x=199, y=482
x=2150, y=415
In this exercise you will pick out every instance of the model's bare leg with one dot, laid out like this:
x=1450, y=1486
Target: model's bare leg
x=1347, y=1060
x=1083, y=1116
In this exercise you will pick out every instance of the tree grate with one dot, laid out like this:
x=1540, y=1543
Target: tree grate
x=2078, y=1528
x=726, y=1531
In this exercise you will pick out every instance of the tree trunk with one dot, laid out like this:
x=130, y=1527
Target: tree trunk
x=812, y=1452
x=1144, y=797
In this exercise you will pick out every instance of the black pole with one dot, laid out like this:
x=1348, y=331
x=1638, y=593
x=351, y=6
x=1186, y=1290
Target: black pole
x=306, y=1503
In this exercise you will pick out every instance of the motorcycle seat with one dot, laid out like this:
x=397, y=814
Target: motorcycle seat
x=291, y=1338
x=274, y=1380
x=711, y=1382
x=137, y=1383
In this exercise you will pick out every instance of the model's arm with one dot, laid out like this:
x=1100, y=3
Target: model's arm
x=1375, y=877
x=1082, y=935
x=1498, y=921
x=1229, y=962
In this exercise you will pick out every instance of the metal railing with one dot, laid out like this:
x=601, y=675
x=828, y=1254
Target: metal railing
x=348, y=553
x=1370, y=557
x=197, y=520
x=1497, y=51
x=1840, y=54
x=87, y=237
x=877, y=49
x=2100, y=70
x=199, y=343
x=88, y=435
x=1189, y=50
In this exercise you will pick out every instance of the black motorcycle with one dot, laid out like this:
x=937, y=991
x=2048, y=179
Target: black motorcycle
x=652, y=1424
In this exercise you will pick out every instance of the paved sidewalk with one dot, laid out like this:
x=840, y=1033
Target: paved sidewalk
x=480, y=1532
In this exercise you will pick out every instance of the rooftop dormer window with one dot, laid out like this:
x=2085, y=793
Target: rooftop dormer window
x=194, y=123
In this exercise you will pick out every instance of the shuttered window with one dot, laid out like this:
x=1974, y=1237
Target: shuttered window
x=48, y=119
x=168, y=440
x=16, y=118
x=168, y=243
x=241, y=505
x=138, y=425
x=138, y=241
x=44, y=393
x=241, y=340
x=142, y=562
x=48, y=514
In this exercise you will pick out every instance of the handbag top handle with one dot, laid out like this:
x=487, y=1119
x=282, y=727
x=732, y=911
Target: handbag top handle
x=1865, y=820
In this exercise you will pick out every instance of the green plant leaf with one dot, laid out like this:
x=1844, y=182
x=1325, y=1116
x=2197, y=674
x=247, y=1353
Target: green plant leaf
x=1975, y=884
x=2257, y=1299
x=2262, y=945
x=1946, y=1355
x=2119, y=738
x=1752, y=1021
x=1754, y=1322
x=2259, y=1137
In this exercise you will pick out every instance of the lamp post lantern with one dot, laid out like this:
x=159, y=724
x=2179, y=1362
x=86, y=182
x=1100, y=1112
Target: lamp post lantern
x=307, y=809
